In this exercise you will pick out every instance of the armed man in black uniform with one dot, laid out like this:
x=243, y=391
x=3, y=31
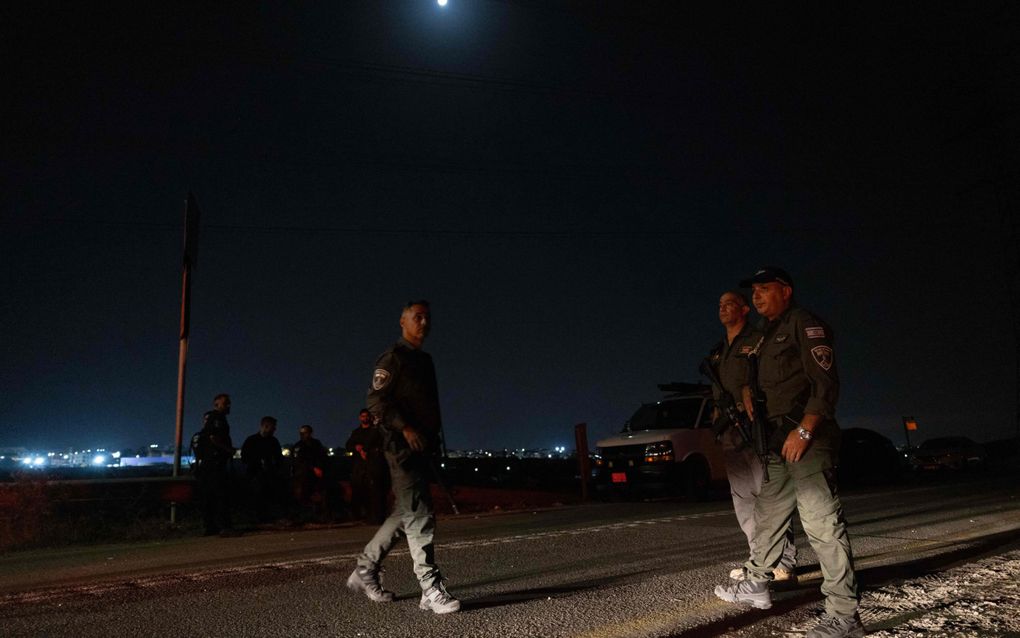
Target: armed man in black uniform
x=262, y=458
x=404, y=400
x=743, y=467
x=369, y=473
x=797, y=375
x=214, y=452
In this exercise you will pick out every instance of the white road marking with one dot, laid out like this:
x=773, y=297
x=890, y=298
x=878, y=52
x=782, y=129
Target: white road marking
x=150, y=582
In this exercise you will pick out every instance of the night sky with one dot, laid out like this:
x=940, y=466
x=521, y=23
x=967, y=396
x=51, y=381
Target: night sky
x=571, y=184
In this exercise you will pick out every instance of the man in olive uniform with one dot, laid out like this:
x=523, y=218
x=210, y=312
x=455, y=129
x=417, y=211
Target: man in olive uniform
x=743, y=467
x=797, y=374
x=404, y=400
x=214, y=452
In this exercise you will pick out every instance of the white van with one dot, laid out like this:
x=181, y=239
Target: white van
x=665, y=446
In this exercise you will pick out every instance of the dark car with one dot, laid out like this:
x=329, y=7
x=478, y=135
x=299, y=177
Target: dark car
x=948, y=453
x=868, y=458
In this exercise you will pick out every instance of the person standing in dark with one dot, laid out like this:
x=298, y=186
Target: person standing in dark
x=404, y=400
x=743, y=468
x=262, y=458
x=308, y=469
x=368, y=470
x=213, y=453
x=797, y=374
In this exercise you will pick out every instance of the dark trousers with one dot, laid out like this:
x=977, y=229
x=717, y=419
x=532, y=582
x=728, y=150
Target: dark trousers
x=369, y=488
x=267, y=489
x=214, y=493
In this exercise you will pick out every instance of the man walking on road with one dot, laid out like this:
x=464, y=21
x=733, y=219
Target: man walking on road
x=797, y=374
x=743, y=468
x=404, y=400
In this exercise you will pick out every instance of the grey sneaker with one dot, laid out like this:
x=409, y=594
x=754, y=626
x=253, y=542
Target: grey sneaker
x=738, y=573
x=837, y=627
x=366, y=581
x=438, y=600
x=746, y=591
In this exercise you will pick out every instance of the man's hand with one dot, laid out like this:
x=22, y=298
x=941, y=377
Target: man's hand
x=794, y=447
x=414, y=440
x=745, y=397
x=360, y=449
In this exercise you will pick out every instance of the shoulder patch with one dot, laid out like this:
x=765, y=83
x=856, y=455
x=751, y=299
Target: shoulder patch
x=815, y=332
x=822, y=356
x=782, y=338
x=380, y=378
x=746, y=349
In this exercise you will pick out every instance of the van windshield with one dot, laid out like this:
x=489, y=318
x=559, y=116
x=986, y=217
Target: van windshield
x=677, y=413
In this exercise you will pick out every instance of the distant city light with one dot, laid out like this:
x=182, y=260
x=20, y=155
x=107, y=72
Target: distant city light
x=38, y=460
x=442, y=3
x=99, y=459
x=153, y=445
x=116, y=455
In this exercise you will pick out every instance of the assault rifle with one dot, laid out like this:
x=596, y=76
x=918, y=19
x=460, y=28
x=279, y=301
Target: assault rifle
x=732, y=417
x=759, y=419
x=729, y=415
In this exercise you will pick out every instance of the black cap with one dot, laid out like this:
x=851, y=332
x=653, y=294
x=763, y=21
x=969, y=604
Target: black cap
x=766, y=274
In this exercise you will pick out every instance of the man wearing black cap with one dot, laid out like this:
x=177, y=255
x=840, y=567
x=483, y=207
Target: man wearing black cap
x=797, y=375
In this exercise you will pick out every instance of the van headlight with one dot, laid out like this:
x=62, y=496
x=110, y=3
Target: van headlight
x=658, y=452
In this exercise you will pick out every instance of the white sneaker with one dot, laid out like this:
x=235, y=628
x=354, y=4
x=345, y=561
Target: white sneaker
x=438, y=600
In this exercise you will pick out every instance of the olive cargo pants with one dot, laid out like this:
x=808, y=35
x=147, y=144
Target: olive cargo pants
x=412, y=516
x=809, y=486
x=746, y=477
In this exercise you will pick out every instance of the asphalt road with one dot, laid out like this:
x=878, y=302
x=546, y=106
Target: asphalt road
x=602, y=570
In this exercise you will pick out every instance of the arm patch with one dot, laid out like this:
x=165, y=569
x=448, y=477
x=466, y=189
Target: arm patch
x=822, y=356
x=380, y=378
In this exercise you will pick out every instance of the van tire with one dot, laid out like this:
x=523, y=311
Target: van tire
x=694, y=479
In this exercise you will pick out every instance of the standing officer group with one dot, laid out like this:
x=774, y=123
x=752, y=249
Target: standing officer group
x=797, y=375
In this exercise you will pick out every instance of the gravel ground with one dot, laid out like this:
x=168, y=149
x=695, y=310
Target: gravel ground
x=978, y=599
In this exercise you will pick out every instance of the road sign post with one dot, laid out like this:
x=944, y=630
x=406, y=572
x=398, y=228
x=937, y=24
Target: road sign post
x=584, y=463
x=191, y=220
x=909, y=425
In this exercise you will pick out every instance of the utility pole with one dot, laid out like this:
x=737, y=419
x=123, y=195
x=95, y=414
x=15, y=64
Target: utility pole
x=191, y=221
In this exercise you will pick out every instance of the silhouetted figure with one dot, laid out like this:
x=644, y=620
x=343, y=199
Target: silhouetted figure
x=369, y=476
x=263, y=460
x=213, y=452
x=308, y=469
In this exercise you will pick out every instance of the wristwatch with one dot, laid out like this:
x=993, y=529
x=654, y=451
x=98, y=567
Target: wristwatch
x=805, y=434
